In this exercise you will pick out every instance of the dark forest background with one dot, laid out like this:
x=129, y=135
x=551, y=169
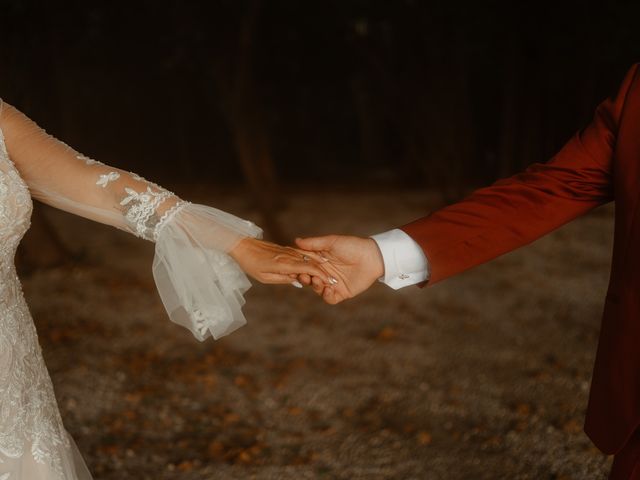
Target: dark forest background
x=313, y=117
x=413, y=93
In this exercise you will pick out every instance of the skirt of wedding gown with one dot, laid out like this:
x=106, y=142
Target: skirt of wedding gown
x=27, y=468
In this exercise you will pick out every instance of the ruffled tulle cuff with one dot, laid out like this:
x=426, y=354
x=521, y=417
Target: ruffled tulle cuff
x=200, y=285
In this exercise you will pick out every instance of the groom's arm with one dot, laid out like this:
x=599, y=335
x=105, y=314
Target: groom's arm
x=516, y=211
x=490, y=222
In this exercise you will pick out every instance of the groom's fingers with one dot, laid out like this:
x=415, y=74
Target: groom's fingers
x=304, y=279
x=330, y=296
x=317, y=285
x=316, y=243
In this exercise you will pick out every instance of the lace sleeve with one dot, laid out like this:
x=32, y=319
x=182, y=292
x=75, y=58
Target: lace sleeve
x=200, y=285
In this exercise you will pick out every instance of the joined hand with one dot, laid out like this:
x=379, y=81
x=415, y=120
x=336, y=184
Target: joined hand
x=354, y=261
x=271, y=263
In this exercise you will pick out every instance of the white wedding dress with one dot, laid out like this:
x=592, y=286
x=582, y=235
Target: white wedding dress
x=200, y=285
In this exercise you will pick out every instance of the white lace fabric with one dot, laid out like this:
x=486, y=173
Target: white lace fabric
x=199, y=283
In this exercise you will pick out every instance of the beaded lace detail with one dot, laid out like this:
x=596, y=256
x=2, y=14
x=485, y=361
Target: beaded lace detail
x=140, y=204
x=140, y=210
x=30, y=422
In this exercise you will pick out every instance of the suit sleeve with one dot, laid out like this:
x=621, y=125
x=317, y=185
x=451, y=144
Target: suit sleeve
x=518, y=210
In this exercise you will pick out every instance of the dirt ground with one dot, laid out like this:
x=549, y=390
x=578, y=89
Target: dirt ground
x=484, y=376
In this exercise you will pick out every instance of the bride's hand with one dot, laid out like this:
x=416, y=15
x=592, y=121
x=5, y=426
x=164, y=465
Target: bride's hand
x=274, y=264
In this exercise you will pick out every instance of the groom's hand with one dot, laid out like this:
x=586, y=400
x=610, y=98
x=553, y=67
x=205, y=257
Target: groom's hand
x=354, y=261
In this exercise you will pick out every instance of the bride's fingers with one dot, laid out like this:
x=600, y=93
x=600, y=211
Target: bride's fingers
x=279, y=279
x=304, y=279
x=308, y=256
x=318, y=257
x=302, y=256
x=301, y=267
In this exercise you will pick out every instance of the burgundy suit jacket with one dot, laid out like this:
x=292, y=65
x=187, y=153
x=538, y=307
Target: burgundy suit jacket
x=599, y=164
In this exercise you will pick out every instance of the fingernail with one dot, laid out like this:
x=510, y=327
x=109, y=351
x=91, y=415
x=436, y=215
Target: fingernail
x=333, y=281
x=296, y=284
x=324, y=259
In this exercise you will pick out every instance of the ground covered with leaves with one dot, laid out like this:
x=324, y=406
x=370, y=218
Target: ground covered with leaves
x=484, y=376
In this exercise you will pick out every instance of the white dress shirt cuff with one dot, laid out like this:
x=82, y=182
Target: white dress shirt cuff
x=404, y=261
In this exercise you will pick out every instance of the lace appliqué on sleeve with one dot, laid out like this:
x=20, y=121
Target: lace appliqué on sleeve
x=104, y=180
x=87, y=160
x=140, y=210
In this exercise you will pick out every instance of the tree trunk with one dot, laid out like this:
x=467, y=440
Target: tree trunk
x=250, y=133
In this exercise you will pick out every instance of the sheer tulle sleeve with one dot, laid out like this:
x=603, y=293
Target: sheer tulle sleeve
x=201, y=286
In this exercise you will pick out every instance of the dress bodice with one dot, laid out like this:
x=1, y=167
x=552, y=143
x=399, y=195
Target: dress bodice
x=15, y=206
x=31, y=430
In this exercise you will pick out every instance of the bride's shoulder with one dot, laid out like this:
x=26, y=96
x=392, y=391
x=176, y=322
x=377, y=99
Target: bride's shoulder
x=4, y=110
